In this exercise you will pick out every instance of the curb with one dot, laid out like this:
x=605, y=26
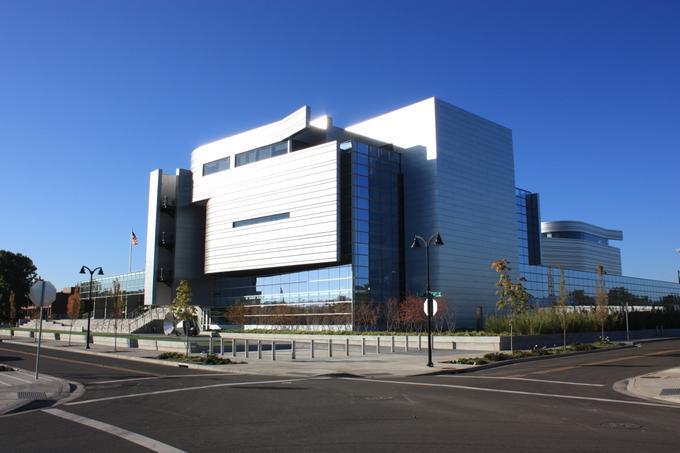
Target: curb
x=56, y=397
x=114, y=355
x=501, y=363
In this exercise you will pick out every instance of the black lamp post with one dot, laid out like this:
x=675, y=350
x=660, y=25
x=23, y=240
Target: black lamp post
x=417, y=243
x=89, y=302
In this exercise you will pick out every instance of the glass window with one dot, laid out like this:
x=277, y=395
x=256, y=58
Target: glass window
x=263, y=219
x=216, y=166
x=262, y=153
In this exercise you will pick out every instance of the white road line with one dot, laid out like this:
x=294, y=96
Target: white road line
x=4, y=383
x=510, y=378
x=184, y=389
x=112, y=381
x=135, y=438
x=514, y=392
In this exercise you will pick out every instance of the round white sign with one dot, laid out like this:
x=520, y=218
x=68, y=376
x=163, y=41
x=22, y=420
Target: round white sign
x=434, y=307
x=37, y=294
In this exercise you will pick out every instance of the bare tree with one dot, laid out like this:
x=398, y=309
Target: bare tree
x=392, y=314
x=560, y=308
x=601, y=302
x=118, y=309
x=511, y=296
x=73, y=309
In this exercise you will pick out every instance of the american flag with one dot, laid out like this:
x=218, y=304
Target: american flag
x=133, y=239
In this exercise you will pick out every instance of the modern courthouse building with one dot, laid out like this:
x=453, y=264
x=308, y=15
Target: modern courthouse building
x=302, y=221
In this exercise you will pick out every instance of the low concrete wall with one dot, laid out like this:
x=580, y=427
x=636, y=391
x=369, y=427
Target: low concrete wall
x=6, y=332
x=175, y=346
x=75, y=338
x=149, y=345
x=112, y=341
x=52, y=336
x=23, y=333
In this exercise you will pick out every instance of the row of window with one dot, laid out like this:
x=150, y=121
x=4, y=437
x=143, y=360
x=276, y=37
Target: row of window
x=246, y=157
x=576, y=235
x=263, y=219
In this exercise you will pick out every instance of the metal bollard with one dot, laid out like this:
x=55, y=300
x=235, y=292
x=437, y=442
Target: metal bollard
x=233, y=347
x=247, y=348
x=292, y=350
x=347, y=347
x=210, y=344
x=311, y=348
x=221, y=347
x=392, y=345
x=406, y=340
x=363, y=346
x=259, y=349
x=273, y=350
x=453, y=345
x=330, y=347
x=377, y=345
x=420, y=343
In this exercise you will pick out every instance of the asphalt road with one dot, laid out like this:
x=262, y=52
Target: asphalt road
x=562, y=404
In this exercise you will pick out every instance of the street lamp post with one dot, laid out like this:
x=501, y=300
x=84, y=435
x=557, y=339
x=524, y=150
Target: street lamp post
x=417, y=243
x=89, y=301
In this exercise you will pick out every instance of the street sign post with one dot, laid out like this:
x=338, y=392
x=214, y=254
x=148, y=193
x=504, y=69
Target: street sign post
x=434, y=307
x=42, y=295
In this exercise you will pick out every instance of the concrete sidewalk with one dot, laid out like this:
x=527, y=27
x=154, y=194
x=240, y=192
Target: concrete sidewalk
x=662, y=386
x=19, y=388
x=398, y=364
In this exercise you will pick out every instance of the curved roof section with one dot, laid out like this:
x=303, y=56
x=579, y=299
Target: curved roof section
x=582, y=227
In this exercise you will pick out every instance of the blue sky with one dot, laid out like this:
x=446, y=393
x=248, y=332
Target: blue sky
x=94, y=95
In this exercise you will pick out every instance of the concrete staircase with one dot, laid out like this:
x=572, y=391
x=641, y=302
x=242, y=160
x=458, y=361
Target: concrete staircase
x=148, y=321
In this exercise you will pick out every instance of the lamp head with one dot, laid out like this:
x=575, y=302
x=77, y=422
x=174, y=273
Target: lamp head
x=82, y=270
x=415, y=244
x=438, y=240
x=101, y=271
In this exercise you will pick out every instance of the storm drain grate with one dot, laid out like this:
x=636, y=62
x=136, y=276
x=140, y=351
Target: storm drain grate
x=670, y=392
x=31, y=395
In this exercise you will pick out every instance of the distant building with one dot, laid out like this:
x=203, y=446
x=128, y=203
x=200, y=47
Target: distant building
x=580, y=246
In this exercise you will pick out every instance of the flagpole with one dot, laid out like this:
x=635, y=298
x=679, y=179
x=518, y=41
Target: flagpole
x=130, y=258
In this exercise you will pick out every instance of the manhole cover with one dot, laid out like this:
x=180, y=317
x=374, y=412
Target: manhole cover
x=670, y=392
x=31, y=395
x=616, y=425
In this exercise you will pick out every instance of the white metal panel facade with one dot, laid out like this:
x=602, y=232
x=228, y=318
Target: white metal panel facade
x=245, y=141
x=303, y=184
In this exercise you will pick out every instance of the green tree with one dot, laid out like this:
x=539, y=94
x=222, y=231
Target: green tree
x=511, y=296
x=560, y=308
x=182, y=309
x=601, y=306
x=17, y=274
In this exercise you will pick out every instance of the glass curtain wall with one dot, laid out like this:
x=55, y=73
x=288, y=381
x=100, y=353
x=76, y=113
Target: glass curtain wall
x=581, y=285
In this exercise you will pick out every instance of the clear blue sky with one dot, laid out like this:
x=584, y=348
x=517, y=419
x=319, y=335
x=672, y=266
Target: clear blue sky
x=94, y=95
